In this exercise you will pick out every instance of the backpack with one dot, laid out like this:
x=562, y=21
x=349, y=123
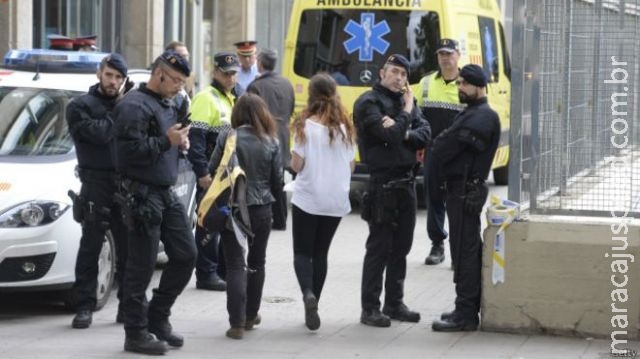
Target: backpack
x=224, y=205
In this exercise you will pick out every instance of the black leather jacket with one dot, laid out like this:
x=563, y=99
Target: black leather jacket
x=260, y=160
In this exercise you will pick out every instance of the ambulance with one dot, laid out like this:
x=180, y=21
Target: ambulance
x=351, y=39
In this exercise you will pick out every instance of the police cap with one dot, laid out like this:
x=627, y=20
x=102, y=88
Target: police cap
x=85, y=41
x=60, y=42
x=115, y=61
x=447, y=45
x=246, y=48
x=474, y=75
x=399, y=60
x=176, y=62
x=226, y=61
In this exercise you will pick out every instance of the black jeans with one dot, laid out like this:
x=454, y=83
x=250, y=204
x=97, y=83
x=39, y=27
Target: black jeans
x=100, y=213
x=280, y=211
x=207, y=263
x=466, y=249
x=435, y=202
x=312, y=236
x=166, y=221
x=387, y=247
x=245, y=281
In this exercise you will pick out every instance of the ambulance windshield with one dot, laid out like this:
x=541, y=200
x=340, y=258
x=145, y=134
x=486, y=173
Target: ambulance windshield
x=352, y=45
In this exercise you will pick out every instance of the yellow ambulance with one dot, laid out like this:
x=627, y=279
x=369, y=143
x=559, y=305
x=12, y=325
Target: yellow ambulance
x=351, y=39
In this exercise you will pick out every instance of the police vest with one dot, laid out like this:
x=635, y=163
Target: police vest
x=211, y=110
x=437, y=93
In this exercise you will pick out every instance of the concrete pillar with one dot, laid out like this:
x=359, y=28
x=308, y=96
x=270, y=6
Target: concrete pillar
x=233, y=21
x=143, y=39
x=16, y=23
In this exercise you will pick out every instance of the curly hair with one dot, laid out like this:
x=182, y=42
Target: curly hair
x=324, y=104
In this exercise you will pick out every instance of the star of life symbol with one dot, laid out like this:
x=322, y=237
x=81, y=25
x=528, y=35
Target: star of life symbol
x=366, y=37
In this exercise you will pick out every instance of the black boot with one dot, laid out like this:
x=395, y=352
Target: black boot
x=311, y=317
x=401, y=313
x=374, y=318
x=447, y=315
x=436, y=256
x=83, y=319
x=456, y=323
x=215, y=283
x=164, y=331
x=145, y=343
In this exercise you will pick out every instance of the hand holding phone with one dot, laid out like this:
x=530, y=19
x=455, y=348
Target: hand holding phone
x=185, y=121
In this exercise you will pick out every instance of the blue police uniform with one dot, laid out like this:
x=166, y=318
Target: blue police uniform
x=390, y=208
x=90, y=120
x=90, y=123
x=149, y=167
x=464, y=153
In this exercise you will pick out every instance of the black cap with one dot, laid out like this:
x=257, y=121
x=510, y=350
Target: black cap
x=447, y=45
x=117, y=62
x=474, y=75
x=226, y=61
x=399, y=60
x=176, y=62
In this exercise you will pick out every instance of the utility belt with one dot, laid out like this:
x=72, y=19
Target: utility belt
x=381, y=203
x=133, y=200
x=475, y=193
x=87, y=174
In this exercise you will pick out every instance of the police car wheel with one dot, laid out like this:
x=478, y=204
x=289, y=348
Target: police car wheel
x=106, y=270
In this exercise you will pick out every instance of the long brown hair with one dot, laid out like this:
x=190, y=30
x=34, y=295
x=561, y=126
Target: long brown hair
x=325, y=105
x=251, y=110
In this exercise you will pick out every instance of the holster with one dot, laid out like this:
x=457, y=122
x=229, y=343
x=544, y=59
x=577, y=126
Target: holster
x=126, y=203
x=77, y=206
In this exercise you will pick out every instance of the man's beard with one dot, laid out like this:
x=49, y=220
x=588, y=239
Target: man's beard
x=465, y=98
x=110, y=91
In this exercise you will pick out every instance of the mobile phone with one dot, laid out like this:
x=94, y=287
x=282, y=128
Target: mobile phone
x=185, y=121
x=405, y=88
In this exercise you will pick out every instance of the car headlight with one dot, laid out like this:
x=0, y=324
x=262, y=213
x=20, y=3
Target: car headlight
x=32, y=214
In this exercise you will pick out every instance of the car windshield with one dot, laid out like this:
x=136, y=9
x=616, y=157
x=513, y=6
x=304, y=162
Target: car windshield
x=32, y=121
x=352, y=45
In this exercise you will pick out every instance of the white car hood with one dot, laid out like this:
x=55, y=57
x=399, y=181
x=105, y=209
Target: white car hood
x=21, y=182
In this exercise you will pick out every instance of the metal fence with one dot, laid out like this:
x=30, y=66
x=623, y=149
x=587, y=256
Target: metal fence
x=575, y=120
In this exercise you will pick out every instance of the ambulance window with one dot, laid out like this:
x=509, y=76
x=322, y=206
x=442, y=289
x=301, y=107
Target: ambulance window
x=505, y=54
x=489, y=43
x=340, y=42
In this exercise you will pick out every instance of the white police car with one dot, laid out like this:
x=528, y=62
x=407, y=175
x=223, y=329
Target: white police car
x=38, y=237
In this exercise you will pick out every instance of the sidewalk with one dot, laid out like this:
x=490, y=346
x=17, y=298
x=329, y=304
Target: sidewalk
x=201, y=316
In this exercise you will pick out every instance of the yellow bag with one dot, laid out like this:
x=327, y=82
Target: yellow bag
x=227, y=195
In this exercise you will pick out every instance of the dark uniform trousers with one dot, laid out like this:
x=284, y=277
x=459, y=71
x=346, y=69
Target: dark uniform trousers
x=388, y=244
x=466, y=249
x=435, y=202
x=244, y=285
x=164, y=219
x=100, y=213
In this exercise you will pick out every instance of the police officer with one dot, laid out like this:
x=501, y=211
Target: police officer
x=148, y=142
x=440, y=105
x=464, y=154
x=90, y=119
x=211, y=115
x=390, y=131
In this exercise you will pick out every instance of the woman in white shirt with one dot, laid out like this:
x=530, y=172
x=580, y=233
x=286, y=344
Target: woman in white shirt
x=323, y=158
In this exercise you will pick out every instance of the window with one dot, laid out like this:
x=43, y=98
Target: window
x=505, y=54
x=70, y=18
x=489, y=43
x=325, y=45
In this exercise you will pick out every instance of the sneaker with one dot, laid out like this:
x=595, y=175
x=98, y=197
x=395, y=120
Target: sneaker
x=311, y=317
x=250, y=323
x=402, y=313
x=83, y=319
x=436, y=256
x=145, y=344
x=235, y=332
x=374, y=318
x=164, y=331
x=216, y=284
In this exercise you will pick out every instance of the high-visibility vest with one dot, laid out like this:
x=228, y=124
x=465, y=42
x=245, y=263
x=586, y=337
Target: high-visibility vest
x=437, y=93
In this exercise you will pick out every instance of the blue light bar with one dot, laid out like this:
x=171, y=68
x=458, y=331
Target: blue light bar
x=44, y=60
